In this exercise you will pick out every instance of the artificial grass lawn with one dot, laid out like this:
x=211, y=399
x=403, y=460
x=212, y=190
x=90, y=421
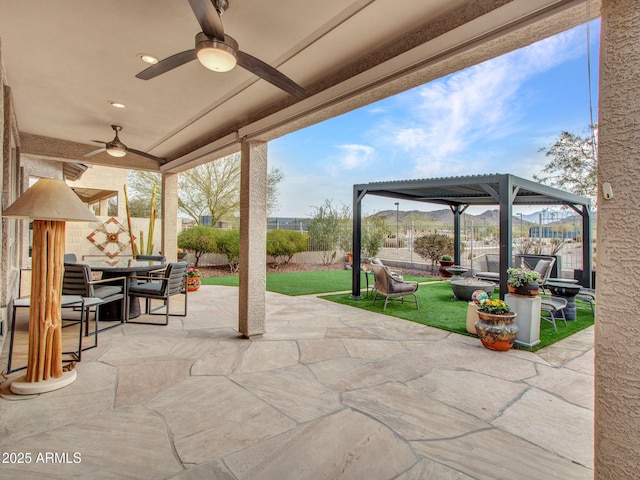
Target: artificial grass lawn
x=305, y=283
x=438, y=310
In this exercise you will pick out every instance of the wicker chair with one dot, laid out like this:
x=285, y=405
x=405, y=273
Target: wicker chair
x=390, y=287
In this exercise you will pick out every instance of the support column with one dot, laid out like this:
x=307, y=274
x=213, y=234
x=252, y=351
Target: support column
x=170, y=216
x=617, y=330
x=356, y=264
x=506, y=235
x=253, y=238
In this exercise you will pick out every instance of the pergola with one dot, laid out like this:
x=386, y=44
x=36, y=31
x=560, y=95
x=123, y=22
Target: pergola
x=459, y=193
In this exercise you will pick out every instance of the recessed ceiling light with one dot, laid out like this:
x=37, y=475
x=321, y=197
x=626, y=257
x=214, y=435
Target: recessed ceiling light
x=117, y=104
x=150, y=59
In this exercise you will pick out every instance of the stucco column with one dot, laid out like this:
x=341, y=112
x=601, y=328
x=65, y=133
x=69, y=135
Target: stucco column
x=170, y=216
x=253, y=236
x=617, y=343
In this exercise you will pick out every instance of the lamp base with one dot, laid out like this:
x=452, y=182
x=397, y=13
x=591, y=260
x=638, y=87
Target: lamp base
x=20, y=387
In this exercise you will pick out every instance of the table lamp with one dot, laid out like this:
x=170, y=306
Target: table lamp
x=49, y=203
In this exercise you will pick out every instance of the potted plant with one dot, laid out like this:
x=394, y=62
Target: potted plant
x=446, y=261
x=194, y=278
x=523, y=282
x=495, y=326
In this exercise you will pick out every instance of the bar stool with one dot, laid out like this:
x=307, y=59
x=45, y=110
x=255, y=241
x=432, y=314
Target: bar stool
x=67, y=301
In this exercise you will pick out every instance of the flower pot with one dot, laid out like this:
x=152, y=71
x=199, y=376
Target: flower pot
x=193, y=283
x=496, y=331
x=444, y=264
x=527, y=290
x=349, y=257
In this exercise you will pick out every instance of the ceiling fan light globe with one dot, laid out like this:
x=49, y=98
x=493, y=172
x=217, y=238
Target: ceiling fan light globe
x=116, y=151
x=214, y=54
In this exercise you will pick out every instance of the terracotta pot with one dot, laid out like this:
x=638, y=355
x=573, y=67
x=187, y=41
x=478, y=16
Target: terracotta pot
x=349, y=257
x=444, y=264
x=530, y=289
x=496, y=332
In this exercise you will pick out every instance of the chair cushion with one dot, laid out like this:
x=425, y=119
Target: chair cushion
x=541, y=267
x=403, y=287
x=104, y=291
x=146, y=288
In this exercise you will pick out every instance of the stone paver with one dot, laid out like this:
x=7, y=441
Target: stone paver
x=345, y=445
x=328, y=392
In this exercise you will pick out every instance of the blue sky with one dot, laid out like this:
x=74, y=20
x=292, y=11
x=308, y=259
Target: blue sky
x=490, y=118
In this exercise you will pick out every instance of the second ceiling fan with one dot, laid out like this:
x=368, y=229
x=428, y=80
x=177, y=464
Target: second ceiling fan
x=116, y=148
x=219, y=52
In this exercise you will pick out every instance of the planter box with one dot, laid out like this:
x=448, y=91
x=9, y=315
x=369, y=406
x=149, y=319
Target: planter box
x=528, y=319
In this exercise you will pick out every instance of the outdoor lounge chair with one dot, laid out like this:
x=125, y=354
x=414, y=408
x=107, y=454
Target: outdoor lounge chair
x=390, y=287
x=555, y=307
x=588, y=295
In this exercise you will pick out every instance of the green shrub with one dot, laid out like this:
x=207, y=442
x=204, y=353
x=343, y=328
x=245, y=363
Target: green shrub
x=229, y=245
x=433, y=247
x=374, y=232
x=198, y=239
x=282, y=245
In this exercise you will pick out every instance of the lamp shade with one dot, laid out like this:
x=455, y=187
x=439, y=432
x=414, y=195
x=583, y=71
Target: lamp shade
x=50, y=199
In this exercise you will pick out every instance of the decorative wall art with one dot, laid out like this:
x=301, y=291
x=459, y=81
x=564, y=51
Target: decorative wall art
x=111, y=238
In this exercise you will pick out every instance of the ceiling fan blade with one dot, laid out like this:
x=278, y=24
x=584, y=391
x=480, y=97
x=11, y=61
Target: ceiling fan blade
x=208, y=18
x=95, y=152
x=169, y=63
x=146, y=155
x=270, y=74
x=99, y=141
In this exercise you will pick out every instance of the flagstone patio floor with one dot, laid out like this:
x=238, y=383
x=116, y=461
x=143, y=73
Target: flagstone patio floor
x=328, y=392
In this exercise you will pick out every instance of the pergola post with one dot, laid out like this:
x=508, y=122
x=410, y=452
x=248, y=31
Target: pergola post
x=587, y=238
x=505, y=213
x=358, y=195
x=457, y=210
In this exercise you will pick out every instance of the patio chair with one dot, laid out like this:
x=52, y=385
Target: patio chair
x=78, y=280
x=83, y=305
x=162, y=288
x=390, y=287
x=544, y=269
x=366, y=268
x=555, y=307
x=588, y=295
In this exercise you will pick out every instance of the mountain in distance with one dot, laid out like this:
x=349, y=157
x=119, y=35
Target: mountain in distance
x=488, y=217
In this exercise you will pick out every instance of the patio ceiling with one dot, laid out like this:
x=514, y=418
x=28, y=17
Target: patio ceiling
x=65, y=61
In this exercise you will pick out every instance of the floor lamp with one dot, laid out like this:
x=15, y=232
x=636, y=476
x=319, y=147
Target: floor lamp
x=49, y=203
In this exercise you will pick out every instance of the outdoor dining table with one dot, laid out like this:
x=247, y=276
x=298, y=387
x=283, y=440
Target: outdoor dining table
x=128, y=267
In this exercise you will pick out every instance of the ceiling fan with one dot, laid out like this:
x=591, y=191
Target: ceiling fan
x=116, y=148
x=219, y=52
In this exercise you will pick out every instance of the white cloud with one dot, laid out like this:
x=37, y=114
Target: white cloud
x=351, y=157
x=444, y=118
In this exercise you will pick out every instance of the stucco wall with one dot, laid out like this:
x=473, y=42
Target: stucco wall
x=617, y=405
x=77, y=232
